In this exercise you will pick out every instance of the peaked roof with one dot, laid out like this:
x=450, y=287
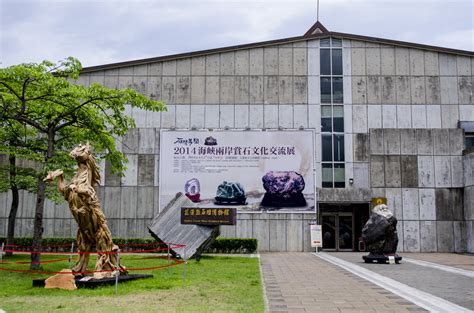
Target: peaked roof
x=317, y=28
x=316, y=31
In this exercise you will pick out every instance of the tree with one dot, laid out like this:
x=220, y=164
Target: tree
x=44, y=97
x=17, y=143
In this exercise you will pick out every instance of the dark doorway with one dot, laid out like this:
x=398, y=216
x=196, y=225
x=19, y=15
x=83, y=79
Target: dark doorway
x=342, y=225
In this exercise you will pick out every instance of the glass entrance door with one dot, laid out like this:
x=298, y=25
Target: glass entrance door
x=338, y=231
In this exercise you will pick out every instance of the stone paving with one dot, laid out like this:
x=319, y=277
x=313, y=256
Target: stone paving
x=301, y=282
x=462, y=261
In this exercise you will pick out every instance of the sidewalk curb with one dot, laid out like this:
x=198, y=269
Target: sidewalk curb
x=266, y=304
x=418, y=297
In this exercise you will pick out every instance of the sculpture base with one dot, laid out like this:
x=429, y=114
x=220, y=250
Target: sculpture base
x=381, y=258
x=93, y=283
x=289, y=200
x=230, y=201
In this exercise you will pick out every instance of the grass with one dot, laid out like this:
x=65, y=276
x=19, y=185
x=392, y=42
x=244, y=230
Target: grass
x=215, y=284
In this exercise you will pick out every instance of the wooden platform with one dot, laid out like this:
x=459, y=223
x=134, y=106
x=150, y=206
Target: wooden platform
x=93, y=283
x=167, y=227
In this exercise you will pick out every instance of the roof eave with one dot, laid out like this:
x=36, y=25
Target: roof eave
x=91, y=69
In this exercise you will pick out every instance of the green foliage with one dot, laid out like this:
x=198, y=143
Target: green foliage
x=233, y=245
x=44, y=98
x=220, y=245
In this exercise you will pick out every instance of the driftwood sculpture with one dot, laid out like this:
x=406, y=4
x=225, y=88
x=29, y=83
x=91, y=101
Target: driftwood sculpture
x=93, y=231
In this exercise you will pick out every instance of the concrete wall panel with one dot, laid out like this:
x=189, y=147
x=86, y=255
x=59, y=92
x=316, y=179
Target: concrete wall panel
x=300, y=90
x=361, y=147
x=374, y=117
x=441, y=141
x=428, y=242
x=402, y=61
x=183, y=89
x=227, y=63
x=285, y=116
x=404, y=117
x=212, y=89
x=131, y=173
x=433, y=116
x=427, y=204
x=392, y=171
x=270, y=116
x=168, y=118
x=198, y=84
x=212, y=64
x=388, y=90
x=300, y=118
x=410, y=201
x=358, y=61
x=408, y=141
x=417, y=64
x=226, y=116
x=256, y=89
x=449, y=116
x=359, y=119
x=465, y=90
x=463, y=65
x=431, y=63
x=198, y=66
x=146, y=169
x=374, y=89
x=409, y=171
x=389, y=116
x=227, y=89
x=241, y=116
x=377, y=171
x=391, y=141
x=197, y=116
x=418, y=90
x=449, y=90
x=388, y=60
x=418, y=113
x=403, y=90
x=242, y=60
x=242, y=91
x=285, y=60
x=256, y=116
x=445, y=235
x=376, y=141
x=146, y=144
x=285, y=89
x=359, y=90
x=271, y=89
x=270, y=61
x=373, y=60
x=361, y=174
x=212, y=116
x=447, y=65
x=433, y=90
x=256, y=61
x=442, y=166
x=411, y=236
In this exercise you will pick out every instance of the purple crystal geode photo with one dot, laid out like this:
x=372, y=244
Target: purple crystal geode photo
x=283, y=189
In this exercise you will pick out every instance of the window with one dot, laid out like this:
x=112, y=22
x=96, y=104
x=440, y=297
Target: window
x=332, y=114
x=331, y=70
x=468, y=140
x=332, y=146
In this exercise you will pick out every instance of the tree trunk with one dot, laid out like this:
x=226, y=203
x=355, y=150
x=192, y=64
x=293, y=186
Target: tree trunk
x=40, y=197
x=15, y=202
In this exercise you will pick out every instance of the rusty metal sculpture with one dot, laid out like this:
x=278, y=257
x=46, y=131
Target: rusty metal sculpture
x=84, y=204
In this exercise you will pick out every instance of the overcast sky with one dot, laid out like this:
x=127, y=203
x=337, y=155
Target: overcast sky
x=108, y=31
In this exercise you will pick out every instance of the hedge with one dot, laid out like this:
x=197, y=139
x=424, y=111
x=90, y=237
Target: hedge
x=220, y=245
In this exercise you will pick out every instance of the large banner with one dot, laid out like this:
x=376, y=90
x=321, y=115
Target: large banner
x=250, y=170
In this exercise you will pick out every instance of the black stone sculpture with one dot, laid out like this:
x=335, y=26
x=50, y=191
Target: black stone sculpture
x=230, y=193
x=380, y=236
x=283, y=189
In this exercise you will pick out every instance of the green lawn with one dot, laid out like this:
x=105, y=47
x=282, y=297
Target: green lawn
x=215, y=284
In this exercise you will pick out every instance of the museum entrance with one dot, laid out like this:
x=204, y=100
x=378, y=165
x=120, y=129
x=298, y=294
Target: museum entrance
x=342, y=225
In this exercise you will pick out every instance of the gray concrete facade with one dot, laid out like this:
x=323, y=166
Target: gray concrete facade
x=401, y=111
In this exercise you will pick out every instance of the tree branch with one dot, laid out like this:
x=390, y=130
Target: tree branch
x=11, y=89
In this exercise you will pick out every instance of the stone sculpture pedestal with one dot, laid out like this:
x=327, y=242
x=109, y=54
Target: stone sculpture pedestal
x=381, y=258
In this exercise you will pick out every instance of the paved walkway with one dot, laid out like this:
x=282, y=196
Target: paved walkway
x=302, y=282
x=462, y=261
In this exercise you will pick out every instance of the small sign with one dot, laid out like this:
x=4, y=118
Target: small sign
x=316, y=235
x=208, y=216
x=379, y=200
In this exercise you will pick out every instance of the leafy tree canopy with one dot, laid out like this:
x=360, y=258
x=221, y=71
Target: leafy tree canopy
x=56, y=114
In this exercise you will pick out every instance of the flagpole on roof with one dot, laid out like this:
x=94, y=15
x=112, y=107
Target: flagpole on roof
x=317, y=13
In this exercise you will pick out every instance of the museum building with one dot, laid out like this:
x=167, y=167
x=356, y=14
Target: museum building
x=389, y=119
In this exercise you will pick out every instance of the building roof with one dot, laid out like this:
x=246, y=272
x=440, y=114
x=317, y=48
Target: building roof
x=316, y=31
